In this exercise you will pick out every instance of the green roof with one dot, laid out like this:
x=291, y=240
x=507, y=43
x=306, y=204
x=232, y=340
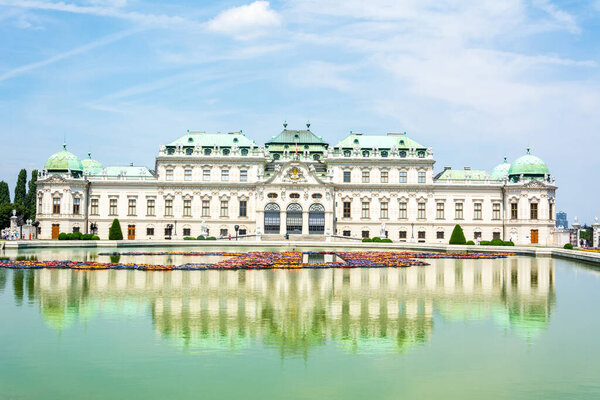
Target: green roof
x=89, y=164
x=213, y=139
x=127, y=171
x=462, y=175
x=528, y=165
x=400, y=140
x=292, y=137
x=500, y=171
x=63, y=161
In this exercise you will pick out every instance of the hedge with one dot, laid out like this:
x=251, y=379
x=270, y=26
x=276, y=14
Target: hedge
x=189, y=238
x=367, y=240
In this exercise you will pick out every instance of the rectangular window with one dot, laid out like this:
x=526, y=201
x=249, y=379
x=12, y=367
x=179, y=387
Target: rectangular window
x=439, y=234
x=384, y=210
x=534, y=211
x=131, y=209
x=206, y=208
x=224, y=175
x=421, y=211
x=421, y=177
x=347, y=209
x=365, y=210
x=421, y=234
x=169, y=208
x=403, y=176
x=403, y=214
x=346, y=233
x=550, y=211
x=150, y=207
x=76, y=204
x=365, y=177
x=243, y=175
x=458, y=211
x=477, y=211
x=112, y=207
x=384, y=176
x=224, y=208
x=496, y=211
x=496, y=235
x=242, y=232
x=477, y=235
x=187, y=175
x=346, y=176
x=206, y=175
x=187, y=231
x=75, y=229
x=365, y=234
x=439, y=211
x=149, y=231
x=187, y=208
x=243, y=208
x=94, y=207
x=56, y=205
x=514, y=211
x=402, y=234
x=169, y=174
x=223, y=232
x=39, y=206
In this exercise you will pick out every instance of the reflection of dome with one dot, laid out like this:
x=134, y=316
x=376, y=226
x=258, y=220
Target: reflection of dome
x=529, y=166
x=500, y=171
x=89, y=164
x=63, y=161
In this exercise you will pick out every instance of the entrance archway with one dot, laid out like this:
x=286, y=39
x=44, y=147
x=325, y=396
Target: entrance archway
x=294, y=219
x=272, y=218
x=316, y=219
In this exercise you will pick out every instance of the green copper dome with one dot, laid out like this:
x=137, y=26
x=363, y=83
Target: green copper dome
x=63, y=161
x=500, y=171
x=528, y=166
x=89, y=164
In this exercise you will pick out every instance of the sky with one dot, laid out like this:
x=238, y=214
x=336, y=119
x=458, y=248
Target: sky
x=476, y=81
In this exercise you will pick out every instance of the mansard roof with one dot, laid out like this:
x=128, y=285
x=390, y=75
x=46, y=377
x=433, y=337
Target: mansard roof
x=450, y=174
x=192, y=138
x=400, y=140
x=127, y=171
x=289, y=136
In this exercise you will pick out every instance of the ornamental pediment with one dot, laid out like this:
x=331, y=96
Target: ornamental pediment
x=294, y=173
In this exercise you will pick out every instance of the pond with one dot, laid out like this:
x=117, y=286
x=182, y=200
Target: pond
x=516, y=328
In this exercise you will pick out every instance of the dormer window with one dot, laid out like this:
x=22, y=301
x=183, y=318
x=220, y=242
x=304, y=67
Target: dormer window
x=296, y=136
x=421, y=154
x=170, y=150
x=347, y=153
x=225, y=152
x=384, y=154
x=401, y=142
x=190, y=140
x=244, y=152
x=207, y=152
x=276, y=156
x=189, y=151
x=316, y=157
x=365, y=153
x=235, y=140
x=355, y=141
x=402, y=154
x=306, y=146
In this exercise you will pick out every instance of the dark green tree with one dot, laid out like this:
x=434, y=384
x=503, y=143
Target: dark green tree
x=458, y=236
x=115, y=232
x=21, y=188
x=6, y=213
x=4, y=193
x=30, y=199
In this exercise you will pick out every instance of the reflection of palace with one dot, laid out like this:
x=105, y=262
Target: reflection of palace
x=362, y=309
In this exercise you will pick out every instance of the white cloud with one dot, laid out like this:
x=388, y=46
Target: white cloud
x=320, y=74
x=246, y=22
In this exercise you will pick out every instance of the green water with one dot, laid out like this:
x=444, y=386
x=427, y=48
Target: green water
x=516, y=328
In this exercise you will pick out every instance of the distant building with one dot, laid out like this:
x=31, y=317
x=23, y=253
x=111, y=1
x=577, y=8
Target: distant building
x=561, y=219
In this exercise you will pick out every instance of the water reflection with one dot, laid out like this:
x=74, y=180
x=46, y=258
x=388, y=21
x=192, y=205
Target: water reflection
x=363, y=310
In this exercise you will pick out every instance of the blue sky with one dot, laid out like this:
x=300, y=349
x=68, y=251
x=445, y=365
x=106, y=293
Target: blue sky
x=474, y=80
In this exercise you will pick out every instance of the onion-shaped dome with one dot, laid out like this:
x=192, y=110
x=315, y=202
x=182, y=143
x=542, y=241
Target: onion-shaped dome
x=529, y=167
x=63, y=161
x=500, y=171
x=90, y=164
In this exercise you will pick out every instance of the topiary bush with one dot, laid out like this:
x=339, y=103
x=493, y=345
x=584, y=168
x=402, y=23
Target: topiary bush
x=386, y=240
x=211, y=238
x=485, y=243
x=568, y=246
x=115, y=232
x=76, y=236
x=95, y=237
x=201, y=237
x=497, y=242
x=367, y=239
x=458, y=236
x=86, y=236
x=189, y=238
x=62, y=236
x=470, y=243
x=377, y=239
x=509, y=243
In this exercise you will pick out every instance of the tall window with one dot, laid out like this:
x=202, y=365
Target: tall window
x=365, y=177
x=150, y=207
x=39, y=206
x=169, y=174
x=206, y=175
x=365, y=210
x=224, y=208
x=477, y=211
x=534, y=211
x=243, y=208
x=346, y=176
x=514, y=211
x=384, y=209
x=551, y=211
x=243, y=175
x=496, y=211
x=131, y=208
x=421, y=177
x=439, y=211
x=402, y=234
x=169, y=208
x=347, y=209
x=421, y=210
x=384, y=176
x=458, y=208
x=403, y=176
x=206, y=208
x=403, y=214
x=187, y=175
x=112, y=207
x=56, y=205
x=76, y=204
x=94, y=207
x=187, y=208
x=224, y=175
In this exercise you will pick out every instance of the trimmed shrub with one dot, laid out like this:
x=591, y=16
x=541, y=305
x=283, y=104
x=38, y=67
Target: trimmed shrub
x=189, y=238
x=568, y=246
x=76, y=236
x=95, y=237
x=497, y=242
x=367, y=239
x=201, y=237
x=377, y=239
x=458, y=236
x=86, y=236
x=485, y=243
x=509, y=243
x=386, y=240
x=211, y=238
x=470, y=243
x=62, y=236
x=115, y=232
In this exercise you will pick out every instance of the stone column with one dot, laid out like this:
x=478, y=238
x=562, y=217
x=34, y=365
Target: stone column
x=576, y=227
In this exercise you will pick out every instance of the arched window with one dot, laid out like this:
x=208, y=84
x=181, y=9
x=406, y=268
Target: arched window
x=316, y=219
x=384, y=154
x=294, y=195
x=272, y=195
x=225, y=152
x=244, y=152
x=365, y=153
x=317, y=195
x=347, y=153
x=294, y=219
x=272, y=218
x=403, y=154
x=207, y=152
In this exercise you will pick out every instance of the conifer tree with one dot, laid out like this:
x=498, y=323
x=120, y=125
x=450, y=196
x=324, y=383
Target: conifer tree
x=115, y=232
x=4, y=193
x=458, y=236
x=30, y=199
x=20, y=189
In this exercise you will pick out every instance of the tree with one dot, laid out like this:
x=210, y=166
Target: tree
x=4, y=193
x=458, y=236
x=30, y=199
x=20, y=189
x=115, y=232
x=6, y=213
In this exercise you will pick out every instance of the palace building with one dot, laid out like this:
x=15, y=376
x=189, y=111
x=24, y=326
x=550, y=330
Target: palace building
x=297, y=184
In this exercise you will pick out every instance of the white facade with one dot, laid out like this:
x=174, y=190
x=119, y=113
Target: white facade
x=342, y=191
